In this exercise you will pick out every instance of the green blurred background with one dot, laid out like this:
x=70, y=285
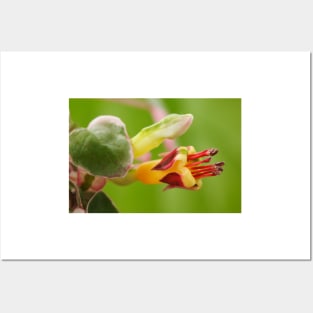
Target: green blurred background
x=216, y=124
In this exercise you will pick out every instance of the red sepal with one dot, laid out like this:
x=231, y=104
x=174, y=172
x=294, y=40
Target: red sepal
x=167, y=161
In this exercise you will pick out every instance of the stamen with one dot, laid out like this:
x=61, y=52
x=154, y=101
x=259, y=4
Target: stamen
x=213, y=151
x=204, y=167
x=193, y=164
x=206, y=173
x=207, y=170
x=198, y=155
x=199, y=176
x=220, y=164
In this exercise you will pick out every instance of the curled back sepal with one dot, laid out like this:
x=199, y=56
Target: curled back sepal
x=103, y=148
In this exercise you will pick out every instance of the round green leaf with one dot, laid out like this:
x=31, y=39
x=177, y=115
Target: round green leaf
x=101, y=203
x=103, y=148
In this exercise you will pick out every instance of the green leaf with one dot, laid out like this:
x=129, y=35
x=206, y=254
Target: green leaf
x=101, y=203
x=104, y=148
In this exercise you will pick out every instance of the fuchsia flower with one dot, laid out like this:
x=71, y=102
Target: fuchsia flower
x=181, y=168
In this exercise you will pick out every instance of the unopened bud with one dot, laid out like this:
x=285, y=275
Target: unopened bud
x=170, y=127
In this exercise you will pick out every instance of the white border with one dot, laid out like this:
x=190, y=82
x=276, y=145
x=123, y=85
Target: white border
x=275, y=92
